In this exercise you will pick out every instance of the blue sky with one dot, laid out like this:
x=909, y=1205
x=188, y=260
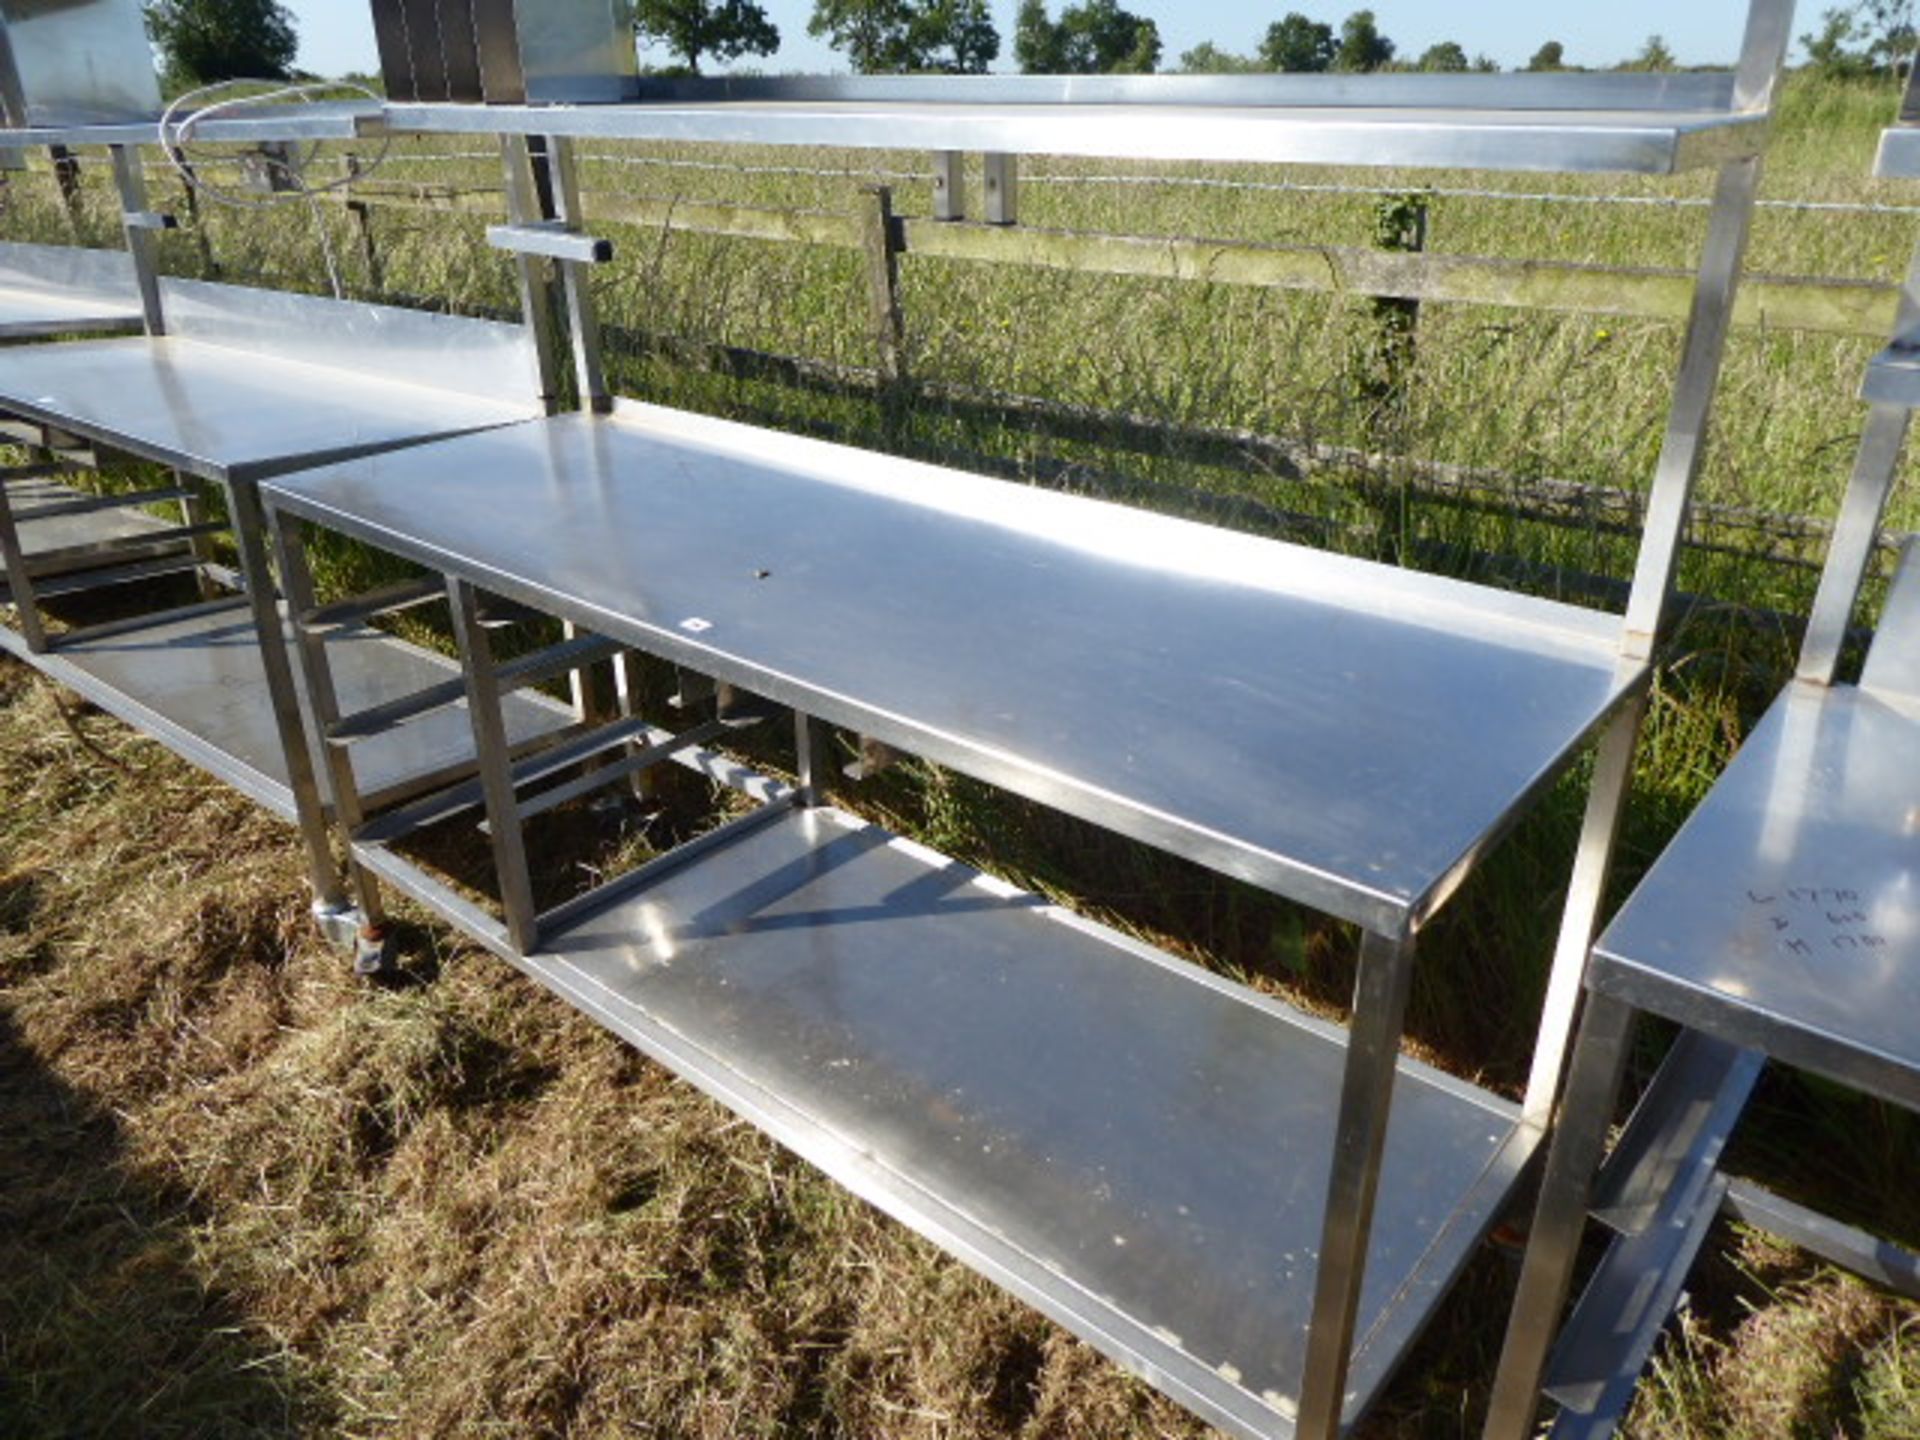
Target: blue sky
x=337, y=35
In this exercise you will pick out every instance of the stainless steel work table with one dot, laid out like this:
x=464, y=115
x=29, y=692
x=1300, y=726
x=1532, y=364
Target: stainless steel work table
x=1276, y=712
x=1140, y=1150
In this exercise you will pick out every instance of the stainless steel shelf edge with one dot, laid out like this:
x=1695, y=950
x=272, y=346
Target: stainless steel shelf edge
x=576, y=966
x=1653, y=143
x=350, y=120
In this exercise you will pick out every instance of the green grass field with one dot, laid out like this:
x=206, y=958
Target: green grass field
x=255, y=1197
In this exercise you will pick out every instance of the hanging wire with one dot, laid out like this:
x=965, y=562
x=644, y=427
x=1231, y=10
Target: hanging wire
x=194, y=108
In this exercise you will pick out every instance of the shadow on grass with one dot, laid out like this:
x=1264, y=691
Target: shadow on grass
x=107, y=1326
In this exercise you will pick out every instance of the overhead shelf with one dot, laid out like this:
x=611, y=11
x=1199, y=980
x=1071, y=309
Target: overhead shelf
x=1283, y=714
x=1621, y=141
x=194, y=681
x=1137, y=1148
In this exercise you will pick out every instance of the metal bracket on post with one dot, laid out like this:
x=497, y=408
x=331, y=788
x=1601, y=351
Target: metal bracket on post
x=949, y=185
x=139, y=223
x=1002, y=184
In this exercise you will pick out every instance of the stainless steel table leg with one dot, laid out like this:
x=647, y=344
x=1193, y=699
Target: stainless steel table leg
x=1593, y=1087
x=1366, y=1097
x=496, y=781
x=19, y=583
x=249, y=534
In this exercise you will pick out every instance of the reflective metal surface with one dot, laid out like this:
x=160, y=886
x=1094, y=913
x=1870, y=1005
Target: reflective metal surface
x=326, y=120
x=1641, y=142
x=1346, y=733
x=1786, y=913
x=65, y=289
x=76, y=62
x=1899, y=154
x=1140, y=1149
x=228, y=413
x=198, y=686
x=70, y=534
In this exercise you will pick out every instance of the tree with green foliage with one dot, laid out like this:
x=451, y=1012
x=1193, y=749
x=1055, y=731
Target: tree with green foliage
x=202, y=41
x=724, y=29
x=1446, y=57
x=1550, y=56
x=1862, y=39
x=1207, y=58
x=1362, y=47
x=1095, y=37
x=1654, y=55
x=891, y=36
x=1298, y=45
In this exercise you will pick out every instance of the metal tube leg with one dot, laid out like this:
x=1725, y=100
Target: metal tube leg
x=249, y=534
x=1593, y=1086
x=812, y=742
x=1851, y=550
x=1366, y=1096
x=19, y=583
x=323, y=708
x=193, y=511
x=1606, y=803
x=496, y=780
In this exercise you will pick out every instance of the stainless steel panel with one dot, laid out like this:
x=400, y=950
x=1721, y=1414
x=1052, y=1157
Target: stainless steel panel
x=1893, y=661
x=576, y=51
x=1785, y=915
x=1640, y=142
x=198, y=686
x=1139, y=1148
x=1341, y=731
x=485, y=359
x=76, y=62
x=223, y=413
x=1899, y=154
x=1893, y=376
x=58, y=289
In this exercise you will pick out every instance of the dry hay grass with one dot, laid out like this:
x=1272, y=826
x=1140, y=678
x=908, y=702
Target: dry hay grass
x=249, y=1195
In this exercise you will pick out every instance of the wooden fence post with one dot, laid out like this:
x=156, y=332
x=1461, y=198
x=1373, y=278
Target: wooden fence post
x=1400, y=227
x=190, y=207
x=66, y=174
x=881, y=244
x=363, y=229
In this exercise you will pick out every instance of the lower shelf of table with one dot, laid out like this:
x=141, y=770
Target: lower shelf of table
x=1139, y=1149
x=118, y=529
x=195, y=682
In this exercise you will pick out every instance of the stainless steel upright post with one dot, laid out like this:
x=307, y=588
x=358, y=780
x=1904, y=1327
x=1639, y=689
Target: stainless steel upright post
x=496, y=780
x=129, y=180
x=1366, y=1099
x=19, y=583
x=535, y=281
x=583, y=323
x=323, y=705
x=1593, y=1087
x=249, y=534
x=1647, y=609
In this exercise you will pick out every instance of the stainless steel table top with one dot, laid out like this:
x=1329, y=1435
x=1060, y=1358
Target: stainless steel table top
x=228, y=414
x=1640, y=142
x=1135, y=1146
x=1785, y=915
x=1345, y=733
